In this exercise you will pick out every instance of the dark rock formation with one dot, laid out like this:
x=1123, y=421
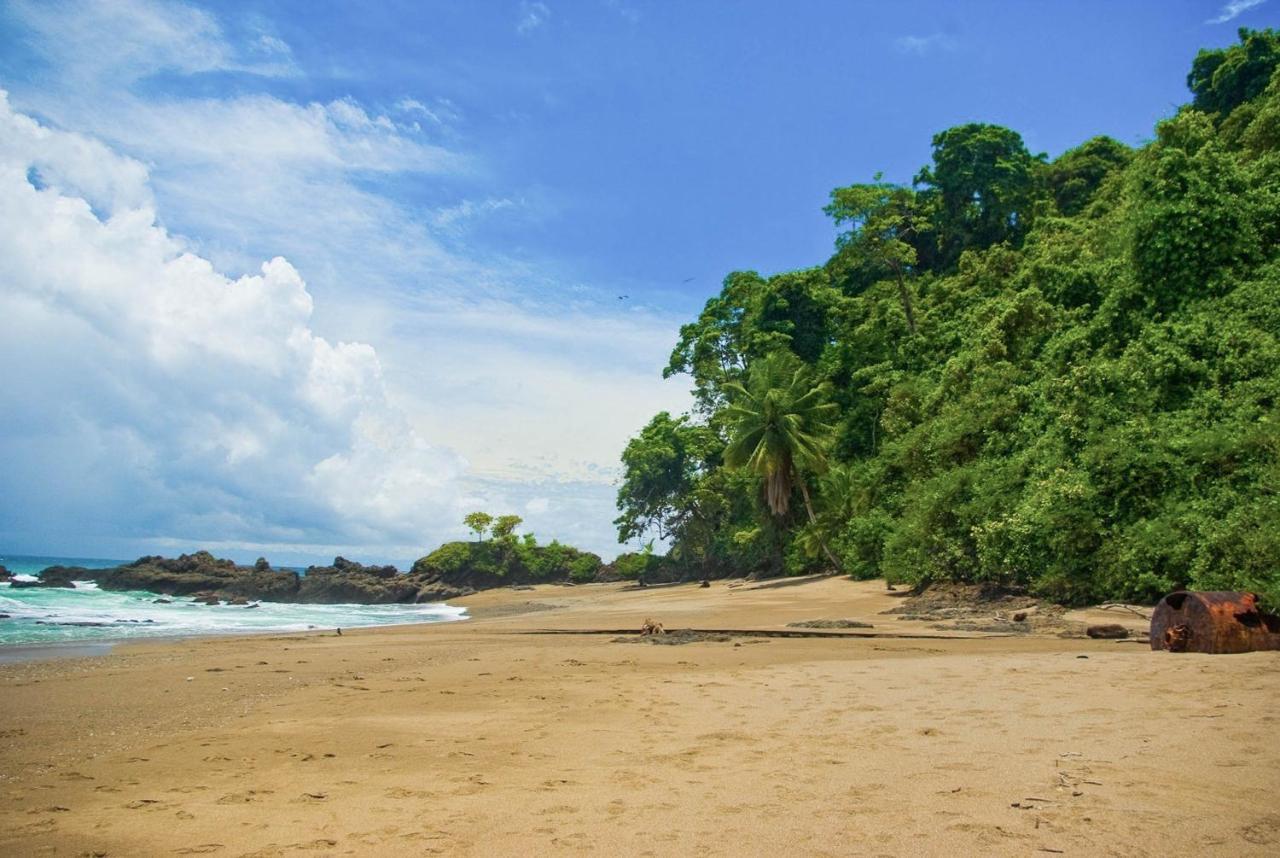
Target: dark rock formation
x=198, y=573
x=5, y=575
x=1110, y=631
x=62, y=576
x=437, y=591
x=454, y=570
x=347, y=582
x=608, y=574
x=55, y=576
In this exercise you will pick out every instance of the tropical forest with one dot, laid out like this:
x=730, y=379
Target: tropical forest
x=1059, y=374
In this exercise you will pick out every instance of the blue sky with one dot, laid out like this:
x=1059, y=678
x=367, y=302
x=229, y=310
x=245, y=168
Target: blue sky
x=456, y=194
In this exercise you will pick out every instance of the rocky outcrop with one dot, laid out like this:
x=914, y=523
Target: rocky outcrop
x=347, y=582
x=200, y=572
x=62, y=576
x=54, y=576
x=456, y=569
x=5, y=575
x=212, y=581
x=461, y=568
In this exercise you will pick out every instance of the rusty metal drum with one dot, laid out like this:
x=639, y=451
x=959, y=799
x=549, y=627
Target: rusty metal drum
x=1220, y=622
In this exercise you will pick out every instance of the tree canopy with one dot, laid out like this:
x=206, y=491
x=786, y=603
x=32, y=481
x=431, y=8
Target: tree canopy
x=1062, y=374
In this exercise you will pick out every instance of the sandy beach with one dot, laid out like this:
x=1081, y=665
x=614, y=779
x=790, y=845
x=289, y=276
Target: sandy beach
x=482, y=738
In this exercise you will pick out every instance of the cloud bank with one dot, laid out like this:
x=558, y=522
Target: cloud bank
x=165, y=399
x=174, y=391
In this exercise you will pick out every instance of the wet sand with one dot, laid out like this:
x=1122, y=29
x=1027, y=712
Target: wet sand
x=479, y=738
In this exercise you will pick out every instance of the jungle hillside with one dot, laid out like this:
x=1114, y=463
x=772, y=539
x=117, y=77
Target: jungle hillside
x=1061, y=374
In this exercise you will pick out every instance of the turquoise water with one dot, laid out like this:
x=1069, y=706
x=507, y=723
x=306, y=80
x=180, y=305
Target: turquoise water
x=28, y=564
x=38, y=616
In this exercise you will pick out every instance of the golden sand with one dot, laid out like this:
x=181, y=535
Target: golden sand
x=478, y=738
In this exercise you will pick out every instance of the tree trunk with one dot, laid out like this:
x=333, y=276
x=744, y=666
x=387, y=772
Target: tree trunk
x=813, y=519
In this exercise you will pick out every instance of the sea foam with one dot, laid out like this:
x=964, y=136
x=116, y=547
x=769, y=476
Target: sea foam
x=86, y=613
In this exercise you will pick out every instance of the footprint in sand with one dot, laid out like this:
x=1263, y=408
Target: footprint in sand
x=402, y=792
x=147, y=804
x=1264, y=832
x=321, y=843
x=202, y=849
x=243, y=797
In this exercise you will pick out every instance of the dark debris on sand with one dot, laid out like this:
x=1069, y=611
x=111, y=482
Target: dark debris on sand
x=830, y=624
x=984, y=608
x=676, y=637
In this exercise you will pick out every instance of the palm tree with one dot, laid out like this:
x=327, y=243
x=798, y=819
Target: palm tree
x=779, y=423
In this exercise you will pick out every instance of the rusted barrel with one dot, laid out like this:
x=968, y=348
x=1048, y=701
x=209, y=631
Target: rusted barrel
x=1213, y=623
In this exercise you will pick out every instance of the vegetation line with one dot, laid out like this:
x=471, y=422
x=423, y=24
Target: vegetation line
x=1055, y=374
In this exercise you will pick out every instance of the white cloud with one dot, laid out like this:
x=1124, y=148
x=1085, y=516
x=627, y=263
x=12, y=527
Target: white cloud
x=1233, y=10
x=209, y=403
x=441, y=112
x=202, y=398
x=532, y=16
x=921, y=45
x=468, y=210
x=252, y=131
x=130, y=39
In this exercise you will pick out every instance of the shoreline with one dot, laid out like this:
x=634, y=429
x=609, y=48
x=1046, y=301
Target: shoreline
x=481, y=738
x=110, y=623
x=18, y=653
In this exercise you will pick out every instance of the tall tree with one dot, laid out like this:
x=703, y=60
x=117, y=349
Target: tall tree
x=751, y=317
x=885, y=221
x=1224, y=78
x=479, y=522
x=781, y=426
x=1075, y=175
x=505, y=525
x=984, y=182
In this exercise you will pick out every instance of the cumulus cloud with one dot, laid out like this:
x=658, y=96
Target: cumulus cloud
x=492, y=379
x=1233, y=10
x=172, y=398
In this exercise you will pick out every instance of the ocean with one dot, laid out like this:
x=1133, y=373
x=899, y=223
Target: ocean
x=37, y=616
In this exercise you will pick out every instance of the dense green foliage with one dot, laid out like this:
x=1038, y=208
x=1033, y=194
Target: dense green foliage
x=1063, y=374
x=512, y=561
x=507, y=558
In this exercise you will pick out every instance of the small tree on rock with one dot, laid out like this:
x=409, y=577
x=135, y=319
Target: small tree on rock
x=505, y=525
x=479, y=522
